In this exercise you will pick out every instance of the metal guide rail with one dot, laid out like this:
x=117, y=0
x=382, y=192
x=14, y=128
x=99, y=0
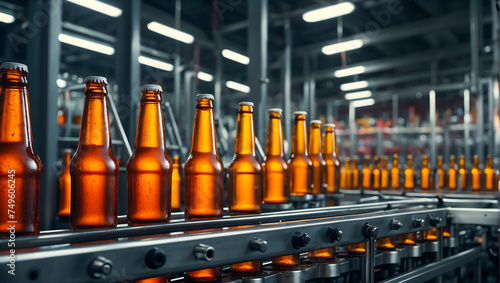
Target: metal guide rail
x=129, y=253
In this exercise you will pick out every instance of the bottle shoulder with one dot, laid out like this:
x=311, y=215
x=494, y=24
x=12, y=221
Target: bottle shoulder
x=244, y=163
x=202, y=162
x=20, y=158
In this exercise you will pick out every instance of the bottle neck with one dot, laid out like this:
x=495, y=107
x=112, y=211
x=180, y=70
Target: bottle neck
x=245, y=136
x=384, y=164
x=425, y=163
x=476, y=163
x=440, y=163
x=410, y=164
x=150, y=126
x=452, y=162
x=299, y=142
x=15, y=123
x=66, y=162
x=315, y=140
x=354, y=165
x=328, y=143
x=462, y=163
x=346, y=164
x=95, y=121
x=204, y=129
x=489, y=163
x=367, y=164
x=274, y=145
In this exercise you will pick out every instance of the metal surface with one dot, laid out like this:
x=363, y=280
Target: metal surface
x=475, y=216
x=119, y=125
x=287, y=83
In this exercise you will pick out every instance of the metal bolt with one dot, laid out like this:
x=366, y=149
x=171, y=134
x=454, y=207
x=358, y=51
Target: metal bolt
x=300, y=240
x=100, y=267
x=257, y=244
x=333, y=235
x=417, y=222
x=434, y=220
x=396, y=224
x=156, y=258
x=369, y=230
x=203, y=252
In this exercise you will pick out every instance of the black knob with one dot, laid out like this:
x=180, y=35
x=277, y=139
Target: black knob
x=333, y=235
x=203, y=252
x=100, y=267
x=369, y=230
x=434, y=220
x=417, y=222
x=156, y=258
x=396, y=224
x=257, y=244
x=300, y=240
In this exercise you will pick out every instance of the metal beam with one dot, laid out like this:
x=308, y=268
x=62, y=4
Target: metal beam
x=257, y=69
x=287, y=81
x=44, y=51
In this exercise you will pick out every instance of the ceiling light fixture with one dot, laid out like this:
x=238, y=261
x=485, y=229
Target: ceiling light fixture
x=156, y=63
x=171, y=32
x=205, y=77
x=349, y=71
x=358, y=95
x=329, y=12
x=353, y=85
x=238, y=86
x=363, y=102
x=6, y=18
x=99, y=6
x=342, y=46
x=235, y=56
x=87, y=44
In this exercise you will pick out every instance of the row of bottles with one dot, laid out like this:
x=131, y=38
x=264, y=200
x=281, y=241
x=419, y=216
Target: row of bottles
x=380, y=177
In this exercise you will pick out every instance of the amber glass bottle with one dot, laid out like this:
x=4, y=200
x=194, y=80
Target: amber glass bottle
x=319, y=164
x=94, y=167
x=20, y=167
x=430, y=235
x=356, y=249
x=476, y=175
x=366, y=174
x=425, y=174
x=274, y=169
x=149, y=169
x=409, y=184
x=176, y=185
x=489, y=175
x=355, y=174
x=452, y=174
x=348, y=174
x=376, y=172
x=408, y=238
x=440, y=172
x=65, y=185
x=387, y=243
x=299, y=164
x=204, y=177
x=244, y=186
x=285, y=262
x=463, y=173
x=395, y=173
x=330, y=154
x=384, y=174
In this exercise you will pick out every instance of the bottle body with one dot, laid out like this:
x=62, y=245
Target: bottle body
x=65, y=186
x=299, y=164
x=425, y=174
x=409, y=184
x=20, y=166
x=476, y=175
x=329, y=151
x=489, y=175
x=366, y=174
x=384, y=174
x=176, y=185
x=354, y=174
x=452, y=174
x=318, y=162
x=94, y=168
x=204, y=177
x=149, y=169
x=395, y=173
x=462, y=171
x=440, y=172
x=376, y=173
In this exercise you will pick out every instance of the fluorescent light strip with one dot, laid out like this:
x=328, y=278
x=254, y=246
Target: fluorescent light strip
x=238, y=86
x=358, y=95
x=171, y=32
x=363, y=102
x=61, y=83
x=87, y=44
x=6, y=18
x=99, y=6
x=354, y=85
x=342, y=46
x=349, y=71
x=235, y=56
x=205, y=77
x=156, y=63
x=328, y=12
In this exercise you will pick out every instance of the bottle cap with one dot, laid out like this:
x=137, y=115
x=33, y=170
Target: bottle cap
x=276, y=110
x=67, y=150
x=151, y=87
x=330, y=125
x=205, y=96
x=246, y=103
x=299, y=113
x=14, y=66
x=315, y=122
x=96, y=79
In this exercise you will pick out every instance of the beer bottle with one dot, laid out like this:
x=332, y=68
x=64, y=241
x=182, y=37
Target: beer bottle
x=425, y=174
x=452, y=174
x=476, y=175
x=409, y=175
x=395, y=173
x=430, y=235
x=376, y=173
x=387, y=243
x=319, y=164
x=355, y=174
x=356, y=249
x=366, y=174
x=287, y=261
x=300, y=165
x=343, y=179
x=274, y=168
x=20, y=167
x=176, y=185
x=408, y=238
x=65, y=185
x=149, y=169
x=384, y=174
x=330, y=154
x=489, y=175
x=244, y=186
x=204, y=176
x=94, y=167
x=463, y=173
x=348, y=174
x=440, y=172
